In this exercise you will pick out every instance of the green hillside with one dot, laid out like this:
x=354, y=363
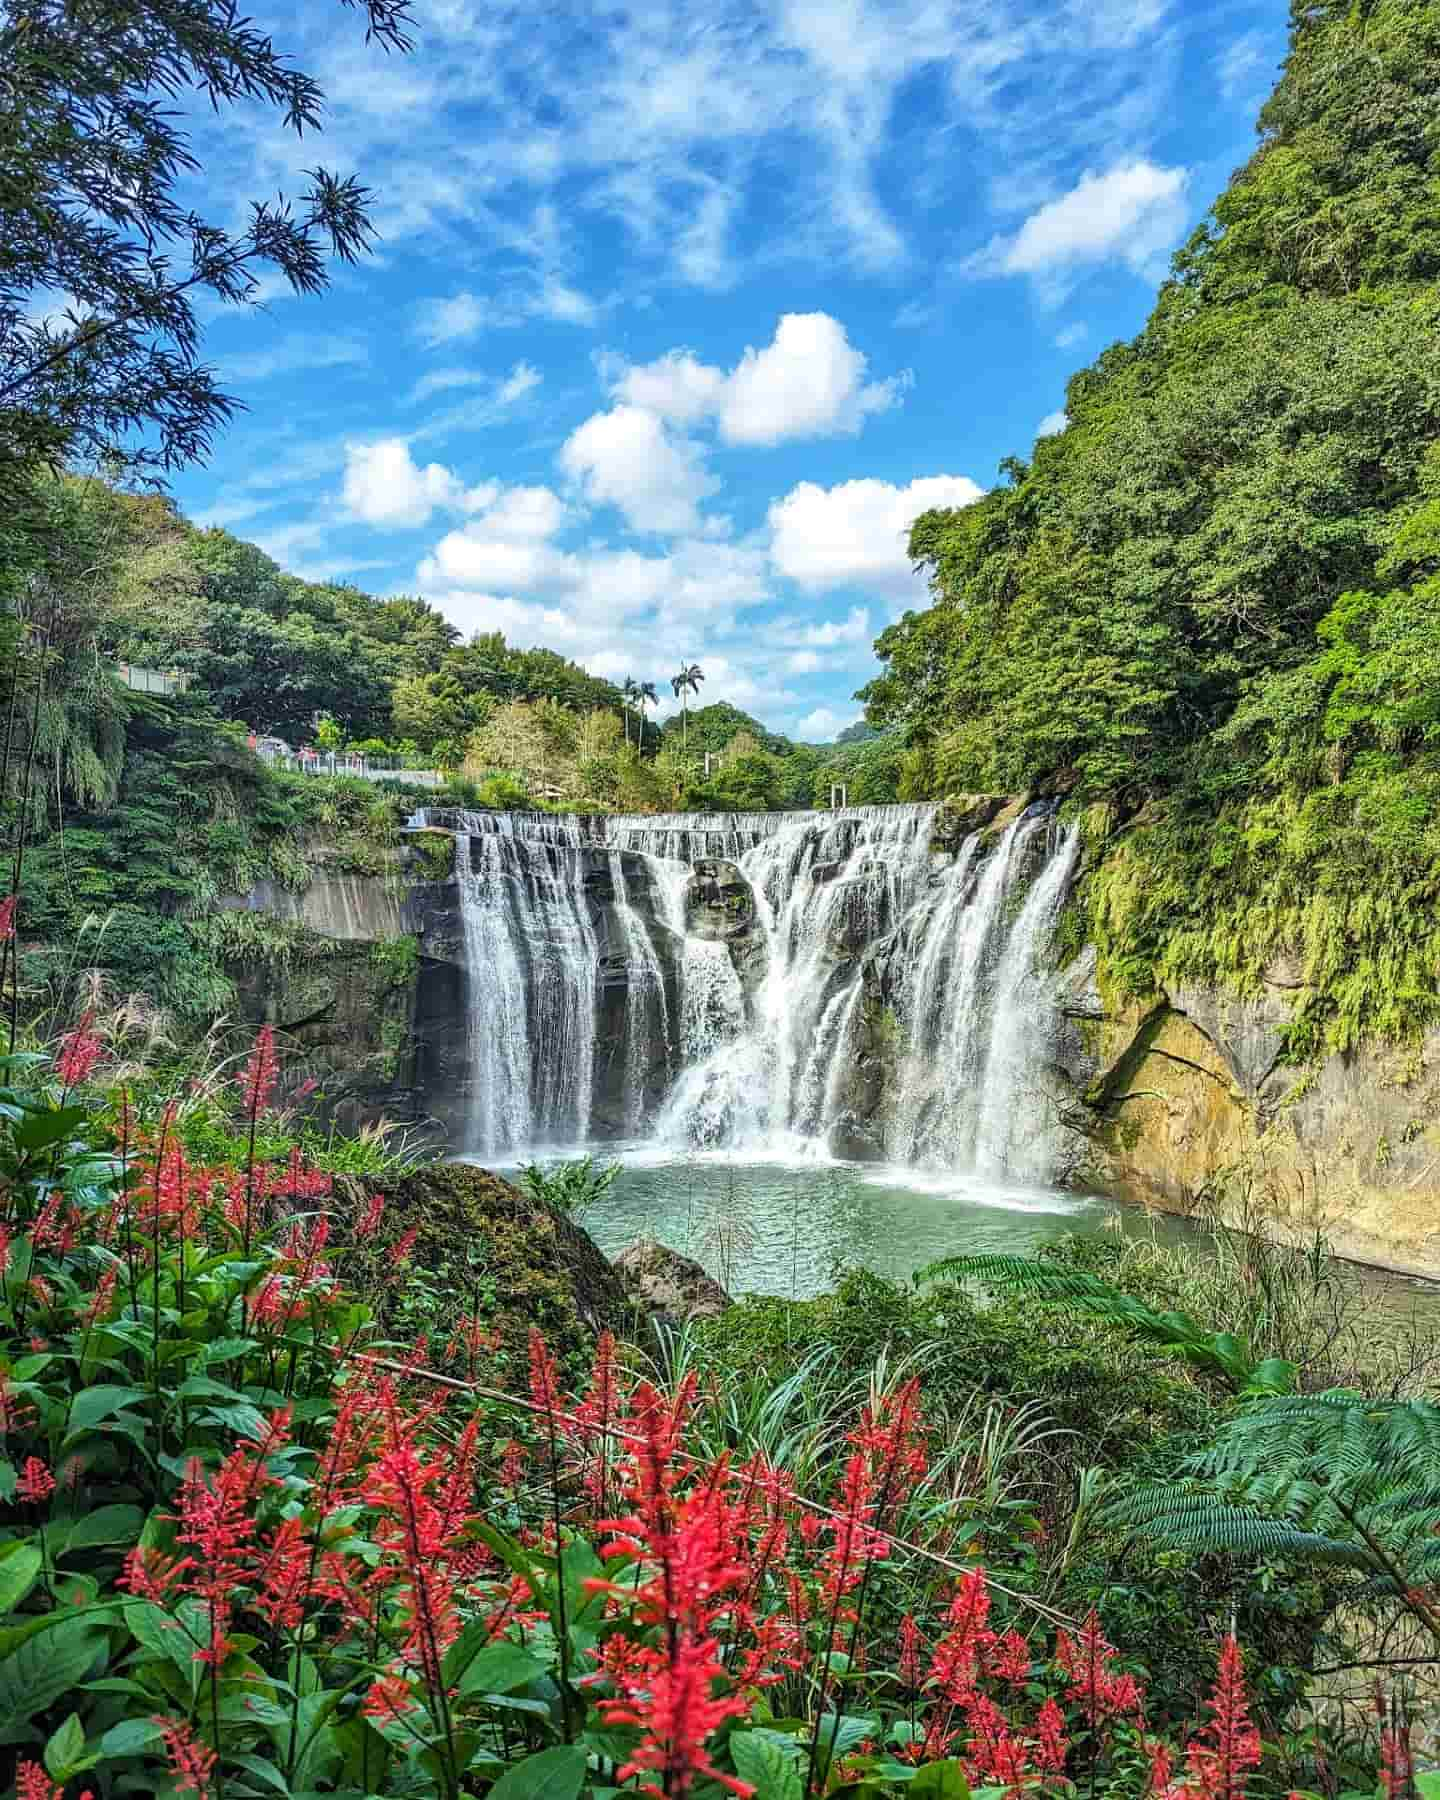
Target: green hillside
x=1210, y=608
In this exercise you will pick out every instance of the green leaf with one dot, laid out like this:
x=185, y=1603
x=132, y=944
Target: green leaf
x=759, y=1759
x=839, y=1736
x=106, y=1525
x=263, y=1770
x=130, y=1738
x=20, y=1563
x=35, y=1674
x=93, y=1404
x=45, y=1128
x=556, y=1774
x=227, y=1349
x=479, y=1666
x=940, y=1781
x=66, y=1749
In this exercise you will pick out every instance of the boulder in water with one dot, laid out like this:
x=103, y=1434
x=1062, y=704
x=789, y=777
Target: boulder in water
x=719, y=903
x=667, y=1285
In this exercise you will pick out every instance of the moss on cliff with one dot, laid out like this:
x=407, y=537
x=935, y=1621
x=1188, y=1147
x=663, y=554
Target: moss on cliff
x=483, y=1248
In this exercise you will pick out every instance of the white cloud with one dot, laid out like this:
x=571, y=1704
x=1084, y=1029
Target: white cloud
x=519, y=382
x=1244, y=65
x=385, y=486
x=1052, y=424
x=676, y=386
x=290, y=354
x=442, y=381
x=1072, y=335
x=1133, y=214
x=854, y=534
x=823, y=726
x=626, y=458
x=808, y=382
x=447, y=321
x=557, y=300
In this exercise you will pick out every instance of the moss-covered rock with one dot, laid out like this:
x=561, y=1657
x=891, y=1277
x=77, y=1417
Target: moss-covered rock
x=482, y=1248
x=667, y=1285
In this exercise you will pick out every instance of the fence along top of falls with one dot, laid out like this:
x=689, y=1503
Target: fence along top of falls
x=719, y=980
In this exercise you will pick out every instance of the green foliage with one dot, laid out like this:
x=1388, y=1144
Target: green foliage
x=1328, y=1479
x=1221, y=1353
x=1210, y=602
x=98, y=174
x=569, y=1188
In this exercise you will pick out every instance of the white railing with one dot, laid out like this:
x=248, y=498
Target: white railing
x=349, y=763
x=150, y=681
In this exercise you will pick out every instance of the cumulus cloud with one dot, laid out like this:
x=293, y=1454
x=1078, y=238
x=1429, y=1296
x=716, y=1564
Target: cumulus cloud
x=385, y=486
x=808, y=382
x=823, y=725
x=1052, y=424
x=854, y=534
x=626, y=458
x=1132, y=213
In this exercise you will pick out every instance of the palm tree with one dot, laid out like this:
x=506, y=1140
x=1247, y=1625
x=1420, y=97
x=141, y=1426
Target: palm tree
x=645, y=695
x=630, y=693
x=686, y=681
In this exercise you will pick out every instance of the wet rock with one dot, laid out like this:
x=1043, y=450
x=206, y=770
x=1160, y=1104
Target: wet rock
x=719, y=903
x=667, y=1285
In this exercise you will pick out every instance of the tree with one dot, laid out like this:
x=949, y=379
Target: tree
x=90, y=207
x=686, y=681
x=630, y=690
x=646, y=697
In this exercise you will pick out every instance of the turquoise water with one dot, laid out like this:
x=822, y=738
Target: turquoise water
x=783, y=1226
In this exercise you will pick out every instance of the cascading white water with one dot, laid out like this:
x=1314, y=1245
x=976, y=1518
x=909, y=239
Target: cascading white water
x=760, y=1063
x=531, y=961
x=825, y=886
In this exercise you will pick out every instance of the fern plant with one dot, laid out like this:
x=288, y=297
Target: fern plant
x=1329, y=1478
x=1220, y=1352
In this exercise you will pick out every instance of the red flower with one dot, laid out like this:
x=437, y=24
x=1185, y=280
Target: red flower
x=1224, y=1751
x=191, y=1762
x=910, y=1641
x=257, y=1083
x=7, y=917
x=1051, y=1743
x=36, y=1483
x=149, y=1574
x=1010, y=1659
x=674, y=1708
x=79, y=1052
x=32, y=1783
x=1095, y=1685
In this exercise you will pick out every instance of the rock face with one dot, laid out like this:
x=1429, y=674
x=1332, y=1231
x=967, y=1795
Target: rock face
x=488, y=1248
x=1187, y=1097
x=667, y=1285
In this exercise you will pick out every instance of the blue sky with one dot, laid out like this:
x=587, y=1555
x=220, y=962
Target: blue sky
x=681, y=312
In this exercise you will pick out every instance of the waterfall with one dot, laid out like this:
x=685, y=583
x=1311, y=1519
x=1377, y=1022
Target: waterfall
x=856, y=940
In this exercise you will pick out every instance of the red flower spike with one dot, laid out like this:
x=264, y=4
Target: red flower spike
x=1225, y=1750
x=32, y=1783
x=257, y=1083
x=36, y=1483
x=191, y=1762
x=78, y=1054
x=7, y=918
x=1051, y=1743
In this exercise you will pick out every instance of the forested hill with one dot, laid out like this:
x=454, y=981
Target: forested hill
x=274, y=652
x=1211, y=605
